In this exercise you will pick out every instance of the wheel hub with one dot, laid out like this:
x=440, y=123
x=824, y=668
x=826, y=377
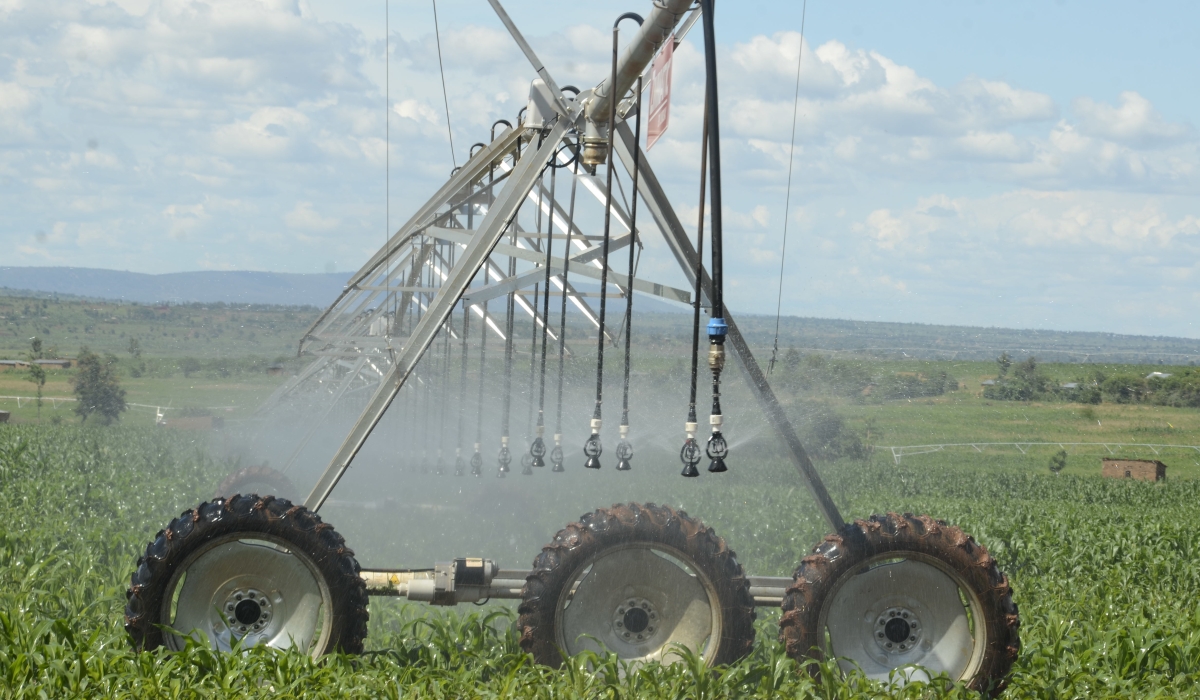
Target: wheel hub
x=248, y=610
x=898, y=630
x=635, y=620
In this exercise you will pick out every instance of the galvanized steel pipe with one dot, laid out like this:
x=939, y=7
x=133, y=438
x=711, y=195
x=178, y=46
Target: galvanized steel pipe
x=637, y=55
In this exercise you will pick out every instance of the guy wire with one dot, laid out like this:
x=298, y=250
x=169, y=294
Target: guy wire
x=445, y=99
x=788, y=200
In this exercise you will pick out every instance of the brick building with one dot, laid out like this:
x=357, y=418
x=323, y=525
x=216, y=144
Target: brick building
x=1143, y=469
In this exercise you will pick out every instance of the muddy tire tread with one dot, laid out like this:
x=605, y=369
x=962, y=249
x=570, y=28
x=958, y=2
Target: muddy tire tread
x=840, y=553
x=247, y=514
x=575, y=544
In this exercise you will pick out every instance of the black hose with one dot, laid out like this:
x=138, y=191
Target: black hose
x=625, y=448
x=459, y=462
x=717, y=448
x=714, y=167
x=556, y=455
x=444, y=376
x=504, y=457
x=689, y=454
x=538, y=449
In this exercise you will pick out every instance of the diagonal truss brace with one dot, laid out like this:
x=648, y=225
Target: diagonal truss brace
x=494, y=225
x=685, y=253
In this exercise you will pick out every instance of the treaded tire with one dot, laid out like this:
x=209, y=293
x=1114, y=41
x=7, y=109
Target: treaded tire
x=821, y=573
x=256, y=476
x=560, y=562
x=249, y=514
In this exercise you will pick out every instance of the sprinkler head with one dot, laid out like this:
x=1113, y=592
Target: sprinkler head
x=460, y=466
x=526, y=465
x=477, y=463
x=717, y=450
x=689, y=454
x=556, y=458
x=504, y=458
x=537, y=451
x=441, y=466
x=624, y=454
x=592, y=450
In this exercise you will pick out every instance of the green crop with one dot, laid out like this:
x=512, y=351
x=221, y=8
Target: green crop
x=1107, y=575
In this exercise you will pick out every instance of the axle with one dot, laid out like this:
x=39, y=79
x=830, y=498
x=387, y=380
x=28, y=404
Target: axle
x=469, y=580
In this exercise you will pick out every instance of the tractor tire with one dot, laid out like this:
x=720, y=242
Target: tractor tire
x=259, y=479
x=254, y=569
x=902, y=590
x=636, y=579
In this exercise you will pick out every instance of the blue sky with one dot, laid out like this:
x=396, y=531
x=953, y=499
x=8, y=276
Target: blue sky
x=1027, y=164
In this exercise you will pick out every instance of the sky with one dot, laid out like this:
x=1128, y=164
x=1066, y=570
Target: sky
x=1017, y=164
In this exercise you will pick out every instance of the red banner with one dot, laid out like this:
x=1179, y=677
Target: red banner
x=660, y=93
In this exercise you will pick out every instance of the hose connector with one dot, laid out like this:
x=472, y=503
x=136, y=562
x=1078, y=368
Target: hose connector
x=716, y=357
x=717, y=329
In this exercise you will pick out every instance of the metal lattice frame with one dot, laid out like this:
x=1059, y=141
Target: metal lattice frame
x=370, y=338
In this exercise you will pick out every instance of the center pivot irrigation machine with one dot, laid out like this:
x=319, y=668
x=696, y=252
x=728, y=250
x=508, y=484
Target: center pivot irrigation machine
x=889, y=592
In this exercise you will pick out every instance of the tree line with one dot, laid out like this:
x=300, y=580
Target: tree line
x=1027, y=381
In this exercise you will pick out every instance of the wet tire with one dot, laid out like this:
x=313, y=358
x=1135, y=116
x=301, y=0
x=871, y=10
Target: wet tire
x=845, y=589
x=619, y=571
x=288, y=565
x=258, y=478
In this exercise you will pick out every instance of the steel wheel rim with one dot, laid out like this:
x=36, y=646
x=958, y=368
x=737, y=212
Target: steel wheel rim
x=894, y=592
x=254, y=587
x=648, y=589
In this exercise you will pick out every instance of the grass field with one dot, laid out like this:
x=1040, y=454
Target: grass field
x=1106, y=573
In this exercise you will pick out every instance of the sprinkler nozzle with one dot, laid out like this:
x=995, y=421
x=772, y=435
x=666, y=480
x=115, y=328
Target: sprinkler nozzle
x=690, y=456
x=556, y=455
x=624, y=451
x=440, y=467
x=592, y=448
x=526, y=464
x=537, y=451
x=477, y=462
x=460, y=464
x=504, y=457
x=717, y=450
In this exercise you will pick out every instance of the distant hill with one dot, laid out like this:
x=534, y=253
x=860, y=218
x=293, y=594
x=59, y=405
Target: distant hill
x=231, y=287
x=670, y=323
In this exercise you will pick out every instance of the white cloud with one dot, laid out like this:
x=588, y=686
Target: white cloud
x=1135, y=122
x=262, y=128
x=302, y=216
x=1038, y=220
x=270, y=132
